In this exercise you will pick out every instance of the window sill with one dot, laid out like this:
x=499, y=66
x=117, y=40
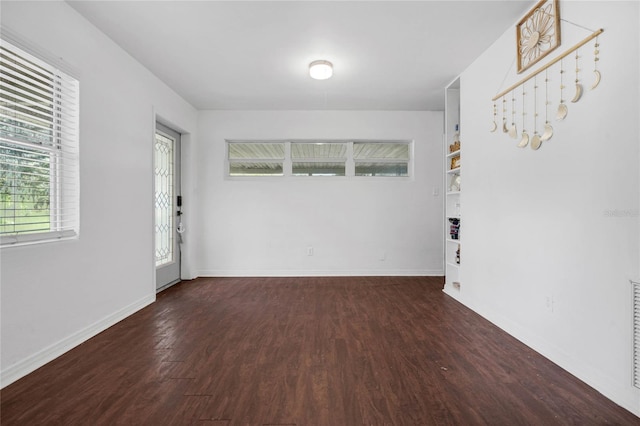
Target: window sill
x=8, y=241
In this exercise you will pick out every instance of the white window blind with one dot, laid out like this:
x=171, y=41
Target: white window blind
x=39, y=194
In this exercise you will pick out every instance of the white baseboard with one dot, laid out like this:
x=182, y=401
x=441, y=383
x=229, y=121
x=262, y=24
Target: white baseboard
x=37, y=360
x=450, y=291
x=627, y=397
x=320, y=273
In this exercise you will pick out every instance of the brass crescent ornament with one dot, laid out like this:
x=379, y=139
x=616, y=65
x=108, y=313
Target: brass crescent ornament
x=535, y=142
x=548, y=132
x=494, y=125
x=596, y=58
x=562, y=111
x=504, y=113
x=597, y=79
x=562, y=108
x=524, y=141
x=578, y=94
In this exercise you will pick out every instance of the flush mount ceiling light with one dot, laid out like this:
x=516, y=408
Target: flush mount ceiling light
x=320, y=70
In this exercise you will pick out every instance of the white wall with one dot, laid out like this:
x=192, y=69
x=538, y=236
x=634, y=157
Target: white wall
x=550, y=237
x=263, y=227
x=56, y=295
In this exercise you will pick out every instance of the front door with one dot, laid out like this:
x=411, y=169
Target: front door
x=167, y=206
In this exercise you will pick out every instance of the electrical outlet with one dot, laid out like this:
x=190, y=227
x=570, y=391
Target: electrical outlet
x=549, y=303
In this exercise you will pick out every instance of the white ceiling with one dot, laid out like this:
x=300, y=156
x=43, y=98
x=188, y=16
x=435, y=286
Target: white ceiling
x=387, y=55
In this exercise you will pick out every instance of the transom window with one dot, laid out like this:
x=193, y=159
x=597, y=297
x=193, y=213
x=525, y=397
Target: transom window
x=319, y=158
x=381, y=159
x=256, y=158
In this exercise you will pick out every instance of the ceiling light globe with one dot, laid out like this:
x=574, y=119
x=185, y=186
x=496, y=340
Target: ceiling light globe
x=320, y=70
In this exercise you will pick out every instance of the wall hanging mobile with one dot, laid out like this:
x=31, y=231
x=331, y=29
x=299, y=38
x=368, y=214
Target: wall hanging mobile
x=562, y=108
x=538, y=33
x=524, y=141
x=494, y=126
x=513, y=130
x=548, y=129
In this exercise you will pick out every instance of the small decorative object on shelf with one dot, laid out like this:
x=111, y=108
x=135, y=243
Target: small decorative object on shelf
x=455, y=162
x=455, y=183
x=454, y=230
x=455, y=146
x=458, y=255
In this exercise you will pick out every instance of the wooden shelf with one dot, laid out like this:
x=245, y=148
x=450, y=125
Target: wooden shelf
x=453, y=154
x=454, y=171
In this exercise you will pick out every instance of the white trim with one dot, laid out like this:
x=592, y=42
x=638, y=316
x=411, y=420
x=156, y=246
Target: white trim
x=152, y=197
x=17, y=240
x=627, y=397
x=320, y=273
x=37, y=360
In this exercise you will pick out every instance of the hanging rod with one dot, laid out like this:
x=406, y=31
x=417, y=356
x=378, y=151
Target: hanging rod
x=567, y=53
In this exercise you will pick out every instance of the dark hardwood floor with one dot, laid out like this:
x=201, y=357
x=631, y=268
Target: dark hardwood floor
x=305, y=351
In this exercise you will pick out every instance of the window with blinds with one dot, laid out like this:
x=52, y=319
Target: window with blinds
x=39, y=197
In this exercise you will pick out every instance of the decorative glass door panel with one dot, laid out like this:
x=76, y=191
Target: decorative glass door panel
x=166, y=164
x=164, y=198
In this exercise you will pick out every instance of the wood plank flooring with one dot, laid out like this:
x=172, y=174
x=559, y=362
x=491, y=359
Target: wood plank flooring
x=305, y=351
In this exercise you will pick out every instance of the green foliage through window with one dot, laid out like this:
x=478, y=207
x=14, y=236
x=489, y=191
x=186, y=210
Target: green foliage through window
x=24, y=190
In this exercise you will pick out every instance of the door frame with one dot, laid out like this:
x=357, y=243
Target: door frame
x=175, y=276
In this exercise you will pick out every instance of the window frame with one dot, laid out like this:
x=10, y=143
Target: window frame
x=344, y=160
x=349, y=160
x=383, y=160
x=61, y=146
x=229, y=161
